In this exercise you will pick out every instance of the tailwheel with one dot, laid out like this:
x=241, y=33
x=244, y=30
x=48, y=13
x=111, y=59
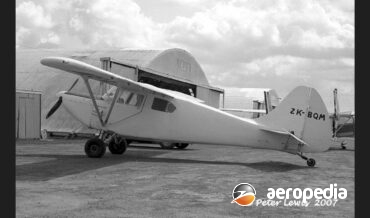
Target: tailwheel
x=117, y=146
x=181, y=145
x=94, y=148
x=311, y=162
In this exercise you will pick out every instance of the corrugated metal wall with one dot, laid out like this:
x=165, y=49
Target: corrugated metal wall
x=28, y=115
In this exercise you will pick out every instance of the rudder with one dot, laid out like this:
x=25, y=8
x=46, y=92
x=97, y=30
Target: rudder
x=303, y=113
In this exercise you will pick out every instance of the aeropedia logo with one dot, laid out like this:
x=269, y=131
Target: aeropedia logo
x=244, y=194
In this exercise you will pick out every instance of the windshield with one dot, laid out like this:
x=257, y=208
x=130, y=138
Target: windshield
x=106, y=92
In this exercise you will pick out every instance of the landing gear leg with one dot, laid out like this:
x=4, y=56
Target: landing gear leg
x=310, y=161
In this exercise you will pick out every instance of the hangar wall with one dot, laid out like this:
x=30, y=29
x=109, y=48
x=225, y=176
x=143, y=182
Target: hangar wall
x=27, y=114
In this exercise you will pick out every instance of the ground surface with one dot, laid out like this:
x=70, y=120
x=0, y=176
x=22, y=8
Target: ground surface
x=56, y=179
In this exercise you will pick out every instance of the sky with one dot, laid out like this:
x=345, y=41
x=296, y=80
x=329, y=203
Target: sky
x=276, y=44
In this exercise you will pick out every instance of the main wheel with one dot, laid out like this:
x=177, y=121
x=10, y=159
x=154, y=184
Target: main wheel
x=118, y=148
x=311, y=162
x=181, y=145
x=94, y=147
x=167, y=145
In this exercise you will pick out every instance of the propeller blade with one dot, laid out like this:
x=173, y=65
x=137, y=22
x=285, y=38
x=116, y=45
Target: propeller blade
x=55, y=107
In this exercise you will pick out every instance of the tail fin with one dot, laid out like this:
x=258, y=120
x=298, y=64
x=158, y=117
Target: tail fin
x=303, y=112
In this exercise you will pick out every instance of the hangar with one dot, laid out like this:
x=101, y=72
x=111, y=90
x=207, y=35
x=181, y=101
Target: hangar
x=174, y=69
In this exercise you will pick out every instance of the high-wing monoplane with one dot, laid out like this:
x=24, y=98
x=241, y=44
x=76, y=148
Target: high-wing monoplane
x=299, y=124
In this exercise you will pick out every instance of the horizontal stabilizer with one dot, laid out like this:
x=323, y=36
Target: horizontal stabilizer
x=284, y=132
x=244, y=110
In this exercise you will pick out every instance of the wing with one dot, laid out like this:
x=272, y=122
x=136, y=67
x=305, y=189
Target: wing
x=89, y=71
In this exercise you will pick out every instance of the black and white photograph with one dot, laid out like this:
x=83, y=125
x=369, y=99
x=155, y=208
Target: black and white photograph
x=184, y=108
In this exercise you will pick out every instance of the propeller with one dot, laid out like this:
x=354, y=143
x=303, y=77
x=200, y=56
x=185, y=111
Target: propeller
x=59, y=102
x=55, y=107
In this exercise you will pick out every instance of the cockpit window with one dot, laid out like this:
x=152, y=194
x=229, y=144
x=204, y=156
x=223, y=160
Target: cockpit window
x=163, y=105
x=126, y=97
x=131, y=98
x=135, y=99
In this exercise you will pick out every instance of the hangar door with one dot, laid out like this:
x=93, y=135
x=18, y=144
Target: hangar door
x=167, y=83
x=28, y=115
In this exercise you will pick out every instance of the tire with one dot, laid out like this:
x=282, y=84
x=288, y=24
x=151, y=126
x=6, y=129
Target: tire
x=94, y=148
x=311, y=162
x=167, y=145
x=181, y=145
x=119, y=148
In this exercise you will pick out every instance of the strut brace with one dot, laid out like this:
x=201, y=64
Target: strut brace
x=86, y=80
x=111, y=106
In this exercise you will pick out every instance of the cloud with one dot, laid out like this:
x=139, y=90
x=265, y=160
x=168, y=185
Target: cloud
x=239, y=43
x=257, y=29
x=95, y=24
x=252, y=29
x=32, y=15
x=277, y=44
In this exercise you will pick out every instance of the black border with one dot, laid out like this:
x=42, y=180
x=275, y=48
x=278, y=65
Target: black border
x=361, y=97
x=7, y=90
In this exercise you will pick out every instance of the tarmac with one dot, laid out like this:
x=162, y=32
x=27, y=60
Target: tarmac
x=54, y=178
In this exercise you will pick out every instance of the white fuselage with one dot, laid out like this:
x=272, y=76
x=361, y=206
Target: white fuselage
x=190, y=123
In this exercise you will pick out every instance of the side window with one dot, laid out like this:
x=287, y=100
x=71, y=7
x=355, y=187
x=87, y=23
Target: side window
x=130, y=98
x=163, y=105
x=170, y=107
x=135, y=99
x=124, y=96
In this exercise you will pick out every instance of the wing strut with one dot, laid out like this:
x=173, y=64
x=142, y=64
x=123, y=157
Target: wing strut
x=93, y=100
x=111, y=105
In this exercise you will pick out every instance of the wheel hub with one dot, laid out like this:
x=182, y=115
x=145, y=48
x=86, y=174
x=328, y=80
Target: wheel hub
x=94, y=148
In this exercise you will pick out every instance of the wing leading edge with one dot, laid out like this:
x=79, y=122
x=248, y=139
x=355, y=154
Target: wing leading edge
x=89, y=71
